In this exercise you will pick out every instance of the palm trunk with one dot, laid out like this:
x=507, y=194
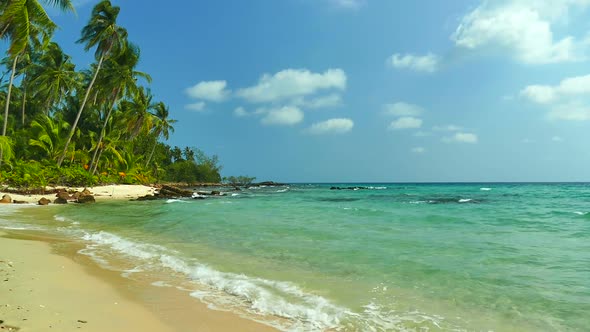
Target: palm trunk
x=63, y=155
x=24, y=104
x=151, y=154
x=97, y=160
x=8, y=103
x=102, y=132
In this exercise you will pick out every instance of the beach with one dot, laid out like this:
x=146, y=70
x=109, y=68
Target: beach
x=306, y=257
x=100, y=193
x=47, y=285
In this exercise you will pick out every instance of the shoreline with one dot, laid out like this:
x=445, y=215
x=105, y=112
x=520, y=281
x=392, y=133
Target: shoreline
x=48, y=285
x=100, y=193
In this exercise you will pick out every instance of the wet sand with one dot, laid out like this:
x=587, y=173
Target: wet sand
x=46, y=286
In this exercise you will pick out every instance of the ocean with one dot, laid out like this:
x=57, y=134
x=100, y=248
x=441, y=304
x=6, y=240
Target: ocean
x=383, y=257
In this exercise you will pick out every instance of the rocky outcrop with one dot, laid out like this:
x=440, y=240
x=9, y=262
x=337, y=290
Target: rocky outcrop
x=19, y=202
x=6, y=199
x=84, y=199
x=43, y=201
x=60, y=200
x=169, y=192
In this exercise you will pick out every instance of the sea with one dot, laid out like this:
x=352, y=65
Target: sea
x=365, y=257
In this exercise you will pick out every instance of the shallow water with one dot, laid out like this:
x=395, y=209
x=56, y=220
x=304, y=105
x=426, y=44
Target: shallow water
x=391, y=257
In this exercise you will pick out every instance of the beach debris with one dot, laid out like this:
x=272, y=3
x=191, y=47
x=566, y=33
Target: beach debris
x=19, y=202
x=6, y=199
x=43, y=201
x=82, y=321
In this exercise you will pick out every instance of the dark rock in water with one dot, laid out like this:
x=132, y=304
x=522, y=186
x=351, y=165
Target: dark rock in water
x=19, y=202
x=147, y=198
x=86, y=199
x=267, y=183
x=43, y=201
x=169, y=191
x=215, y=193
x=60, y=200
x=349, y=188
x=6, y=199
x=237, y=189
x=63, y=196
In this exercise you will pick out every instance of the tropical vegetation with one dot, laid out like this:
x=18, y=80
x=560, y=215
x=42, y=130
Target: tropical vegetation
x=71, y=126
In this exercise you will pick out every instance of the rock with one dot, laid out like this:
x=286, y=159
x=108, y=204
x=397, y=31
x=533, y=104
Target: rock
x=63, y=196
x=19, y=202
x=60, y=200
x=43, y=201
x=86, y=199
x=76, y=195
x=237, y=189
x=170, y=191
x=86, y=192
x=215, y=193
x=6, y=199
x=147, y=198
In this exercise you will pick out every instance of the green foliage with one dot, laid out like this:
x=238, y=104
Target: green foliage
x=69, y=127
x=239, y=180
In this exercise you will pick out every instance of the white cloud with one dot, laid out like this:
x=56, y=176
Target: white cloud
x=348, y=4
x=406, y=122
x=573, y=111
x=425, y=63
x=284, y=116
x=450, y=127
x=240, y=112
x=332, y=126
x=418, y=149
x=197, y=107
x=522, y=27
x=402, y=109
x=569, y=100
x=331, y=100
x=556, y=139
x=209, y=90
x=461, y=138
x=568, y=87
x=293, y=83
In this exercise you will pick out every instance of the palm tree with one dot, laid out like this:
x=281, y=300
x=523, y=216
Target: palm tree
x=121, y=78
x=162, y=127
x=21, y=21
x=103, y=32
x=49, y=134
x=55, y=76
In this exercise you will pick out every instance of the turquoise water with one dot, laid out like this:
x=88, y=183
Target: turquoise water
x=393, y=257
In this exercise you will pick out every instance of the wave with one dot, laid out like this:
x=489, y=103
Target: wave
x=281, y=304
x=176, y=200
x=485, y=189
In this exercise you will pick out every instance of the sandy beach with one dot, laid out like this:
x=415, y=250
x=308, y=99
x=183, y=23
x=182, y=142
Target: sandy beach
x=45, y=285
x=100, y=193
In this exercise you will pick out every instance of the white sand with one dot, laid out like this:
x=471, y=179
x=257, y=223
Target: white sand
x=119, y=191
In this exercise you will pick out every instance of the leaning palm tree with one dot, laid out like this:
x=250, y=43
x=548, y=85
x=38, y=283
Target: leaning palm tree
x=21, y=21
x=103, y=32
x=162, y=127
x=120, y=76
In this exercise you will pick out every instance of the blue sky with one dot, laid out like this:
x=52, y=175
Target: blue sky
x=369, y=90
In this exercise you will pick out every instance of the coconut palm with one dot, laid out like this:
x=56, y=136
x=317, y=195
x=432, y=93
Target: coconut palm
x=120, y=78
x=49, y=135
x=103, y=32
x=22, y=21
x=55, y=76
x=162, y=126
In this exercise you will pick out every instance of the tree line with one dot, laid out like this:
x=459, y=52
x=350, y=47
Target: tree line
x=63, y=125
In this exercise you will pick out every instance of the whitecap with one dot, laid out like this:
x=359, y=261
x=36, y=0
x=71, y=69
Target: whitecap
x=580, y=213
x=465, y=200
x=485, y=189
x=177, y=200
